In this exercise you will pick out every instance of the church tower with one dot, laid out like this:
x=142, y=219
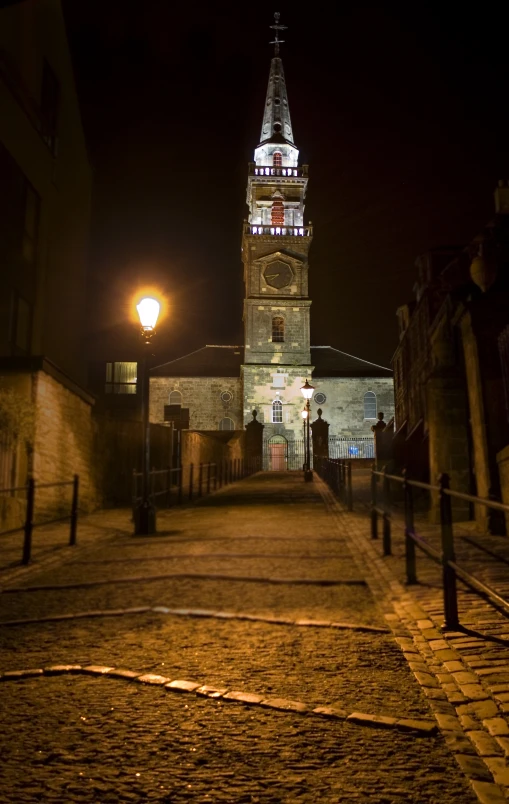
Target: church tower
x=275, y=246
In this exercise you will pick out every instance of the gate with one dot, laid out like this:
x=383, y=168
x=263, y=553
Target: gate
x=279, y=454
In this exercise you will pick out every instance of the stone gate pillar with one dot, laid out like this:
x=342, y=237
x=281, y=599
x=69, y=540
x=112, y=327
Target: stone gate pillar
x=254, y=442
x=320, y=431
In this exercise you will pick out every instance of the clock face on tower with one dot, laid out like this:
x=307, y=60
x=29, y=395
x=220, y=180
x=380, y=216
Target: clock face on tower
x=278, y=274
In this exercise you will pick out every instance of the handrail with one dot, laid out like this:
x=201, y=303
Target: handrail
x=458, y=495
x=31, y=487
x=447, y=558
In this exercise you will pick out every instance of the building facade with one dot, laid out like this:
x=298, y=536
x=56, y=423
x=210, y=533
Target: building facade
x=451, y=367
x=218, y=387
x=46, y=183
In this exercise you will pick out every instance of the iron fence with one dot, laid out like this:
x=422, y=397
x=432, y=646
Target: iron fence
x=172, y=486
x=382, y=507
x=29, y=490
x=338, y=476
x=346, y=448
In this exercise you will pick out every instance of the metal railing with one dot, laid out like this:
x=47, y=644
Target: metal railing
x=193, y=481
x=446, y=556
x=30, y=490
x=352, y=448
x=282, y=230
x=338, y=476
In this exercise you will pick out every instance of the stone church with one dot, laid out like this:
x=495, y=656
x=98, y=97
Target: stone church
x=218, y=387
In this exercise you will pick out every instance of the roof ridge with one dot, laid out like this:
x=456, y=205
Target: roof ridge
x=175, y=359
x=361, y=359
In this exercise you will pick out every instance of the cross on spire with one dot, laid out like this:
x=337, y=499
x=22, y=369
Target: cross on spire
x=277, y=27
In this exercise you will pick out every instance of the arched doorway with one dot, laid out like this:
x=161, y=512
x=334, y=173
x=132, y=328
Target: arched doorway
x=278, y=453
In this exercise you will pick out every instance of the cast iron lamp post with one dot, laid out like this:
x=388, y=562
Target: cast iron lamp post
x=145, y=513
x=307, y=393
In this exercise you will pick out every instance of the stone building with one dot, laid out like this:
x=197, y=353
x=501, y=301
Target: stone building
x=451, y=366
x=218, y=387
x=45, y=209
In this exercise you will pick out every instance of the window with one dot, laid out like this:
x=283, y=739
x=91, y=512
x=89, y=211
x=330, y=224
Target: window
x=277, y=217
x=277, y=411
x=121, y=378
x=21, y=325
x=278, y=329
x=277, y=159
x=175, y=398
x=50, y=100
x=226, y=424
x=369, y=405
x=31, y=223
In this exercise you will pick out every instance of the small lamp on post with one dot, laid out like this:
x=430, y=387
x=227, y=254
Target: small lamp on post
x=145, y=513
x=307, y=393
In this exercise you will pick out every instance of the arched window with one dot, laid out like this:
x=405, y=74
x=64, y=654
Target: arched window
x=278, y=212
x=277, y=159
x=370, y=405
x=175, y=398
x=277, y=411
x=278, y=329
x=227, y=424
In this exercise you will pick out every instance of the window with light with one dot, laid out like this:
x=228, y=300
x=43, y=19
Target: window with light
x=227, y=424
x=121, y=378
x=277, y=412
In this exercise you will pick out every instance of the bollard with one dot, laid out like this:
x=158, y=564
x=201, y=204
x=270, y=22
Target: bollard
x=200, y=479
x=180, y=481
x=449, y=575
x=215, y=476
x=74, y=511
x=208, y=478
x=386, y=492
x=191, y=478
x=29, y=524
x=411, y=572
x=374, y=514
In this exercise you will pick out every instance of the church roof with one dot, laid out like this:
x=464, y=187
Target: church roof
x=209, y=361
x=276, y=115
x=331, y=362
x=225, y=361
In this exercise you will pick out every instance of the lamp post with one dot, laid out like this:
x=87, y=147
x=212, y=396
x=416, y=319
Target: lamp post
x=307, y=393
x=145, y=513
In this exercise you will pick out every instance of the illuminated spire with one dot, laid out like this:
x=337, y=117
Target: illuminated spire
x=276, y=117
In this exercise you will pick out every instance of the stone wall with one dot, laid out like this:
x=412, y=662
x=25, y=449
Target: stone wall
x=259, y=345
x=207, y=448
x=343, y=408
x=202, y=395
x=63, y=446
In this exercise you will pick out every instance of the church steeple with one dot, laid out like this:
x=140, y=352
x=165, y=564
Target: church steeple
x=277, y=123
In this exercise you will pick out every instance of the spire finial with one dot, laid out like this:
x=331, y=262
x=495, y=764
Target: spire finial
x=277, y=27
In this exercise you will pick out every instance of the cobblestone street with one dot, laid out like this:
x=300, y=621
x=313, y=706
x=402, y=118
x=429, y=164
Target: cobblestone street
x=302, y=687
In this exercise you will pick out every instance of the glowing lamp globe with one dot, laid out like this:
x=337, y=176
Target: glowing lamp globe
x=307, y=390
x=304, y=414
x=148, y=311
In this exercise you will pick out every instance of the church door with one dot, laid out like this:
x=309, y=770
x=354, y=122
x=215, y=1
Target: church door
x=277, y=454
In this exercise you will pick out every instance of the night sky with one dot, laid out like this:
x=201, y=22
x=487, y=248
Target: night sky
x=400, y=111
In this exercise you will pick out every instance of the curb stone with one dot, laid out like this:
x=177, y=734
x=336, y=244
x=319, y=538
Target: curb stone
x=419, y=727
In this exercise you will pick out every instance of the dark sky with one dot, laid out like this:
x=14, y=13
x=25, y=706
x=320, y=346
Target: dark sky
x=400, y=111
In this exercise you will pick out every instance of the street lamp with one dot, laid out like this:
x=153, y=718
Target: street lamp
x=145, y=512
x=307, y=393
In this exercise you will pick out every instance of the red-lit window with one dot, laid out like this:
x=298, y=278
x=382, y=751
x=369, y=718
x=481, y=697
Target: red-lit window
x=277, y=159
x=278, y=212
